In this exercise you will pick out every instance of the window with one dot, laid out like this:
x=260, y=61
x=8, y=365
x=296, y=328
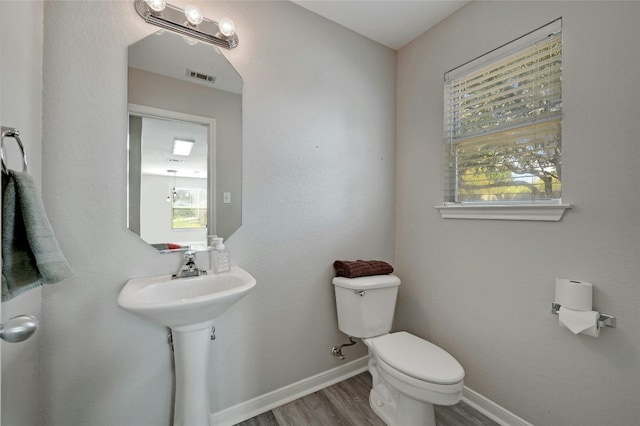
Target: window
x=189, y=208
x=503, y=124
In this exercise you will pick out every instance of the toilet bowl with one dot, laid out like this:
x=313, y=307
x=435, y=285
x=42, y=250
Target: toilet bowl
x=409, y=374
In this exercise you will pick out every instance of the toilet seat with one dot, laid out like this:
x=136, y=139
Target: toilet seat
x=417, y=358
x=416, y=389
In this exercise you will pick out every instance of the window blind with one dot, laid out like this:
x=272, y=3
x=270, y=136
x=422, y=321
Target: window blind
x=503, y=122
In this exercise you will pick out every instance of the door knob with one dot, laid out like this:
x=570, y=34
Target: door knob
x=18, y=328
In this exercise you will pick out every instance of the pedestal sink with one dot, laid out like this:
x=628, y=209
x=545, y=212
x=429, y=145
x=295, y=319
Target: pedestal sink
x=189, y=307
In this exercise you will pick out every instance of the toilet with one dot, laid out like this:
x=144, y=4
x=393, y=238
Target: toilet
x=409, y=374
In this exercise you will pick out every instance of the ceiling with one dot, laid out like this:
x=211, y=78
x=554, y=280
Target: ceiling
x=392, y=23
x=157, y=146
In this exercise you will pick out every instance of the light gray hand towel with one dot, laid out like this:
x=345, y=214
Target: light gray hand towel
x=31, y=255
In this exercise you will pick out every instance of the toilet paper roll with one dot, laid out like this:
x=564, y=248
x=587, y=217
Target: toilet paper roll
x=579, y=322
x=574, y=294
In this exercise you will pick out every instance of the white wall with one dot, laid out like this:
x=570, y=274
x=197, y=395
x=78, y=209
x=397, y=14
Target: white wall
x=319, y=130
x=21, y=107
x=482, y=289
x=21, y=82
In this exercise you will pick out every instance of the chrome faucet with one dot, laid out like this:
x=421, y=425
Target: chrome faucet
x=189, y=267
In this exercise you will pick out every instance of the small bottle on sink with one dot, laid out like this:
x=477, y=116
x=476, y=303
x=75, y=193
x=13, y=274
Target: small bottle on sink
x=221, y=258
x=211, y=245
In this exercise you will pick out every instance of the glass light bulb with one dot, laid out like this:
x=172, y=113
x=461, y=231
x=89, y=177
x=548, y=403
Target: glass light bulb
x=193, y=15
x=227, y=27
x=156, y=5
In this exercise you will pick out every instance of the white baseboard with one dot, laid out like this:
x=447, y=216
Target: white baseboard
x=492, y=410
x=248, y=409
x=261, y=404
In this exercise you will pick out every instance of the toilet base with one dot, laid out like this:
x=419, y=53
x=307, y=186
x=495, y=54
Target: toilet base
x=400, y=410
x=389, y=397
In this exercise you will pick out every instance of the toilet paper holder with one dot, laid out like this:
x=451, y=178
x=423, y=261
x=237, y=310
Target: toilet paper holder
x=604, y=320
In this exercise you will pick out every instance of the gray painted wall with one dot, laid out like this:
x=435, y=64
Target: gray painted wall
x=482, y=289
x=318, y=168
x=21, y=107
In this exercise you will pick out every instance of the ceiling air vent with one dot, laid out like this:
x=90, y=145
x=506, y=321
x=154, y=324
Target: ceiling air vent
x=200, y=76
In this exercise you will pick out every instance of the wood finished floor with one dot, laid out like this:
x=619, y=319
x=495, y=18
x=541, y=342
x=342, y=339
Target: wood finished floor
x=347, y=404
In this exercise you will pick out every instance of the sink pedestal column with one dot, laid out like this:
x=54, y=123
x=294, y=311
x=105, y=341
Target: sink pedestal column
x=191, y=354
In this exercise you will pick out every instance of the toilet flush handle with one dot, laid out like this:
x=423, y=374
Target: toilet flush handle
x=360, y=293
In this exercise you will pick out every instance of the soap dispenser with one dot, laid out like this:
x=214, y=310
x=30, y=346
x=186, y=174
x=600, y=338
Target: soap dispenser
x=212, y=240
x=221, y=258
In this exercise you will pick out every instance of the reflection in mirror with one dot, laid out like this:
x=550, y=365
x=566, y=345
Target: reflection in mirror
x=177, y=195
x=179, y=91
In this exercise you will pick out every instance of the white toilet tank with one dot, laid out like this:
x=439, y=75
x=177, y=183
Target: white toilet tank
x=366, y=305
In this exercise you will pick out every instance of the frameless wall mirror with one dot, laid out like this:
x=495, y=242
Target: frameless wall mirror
x=184, y=142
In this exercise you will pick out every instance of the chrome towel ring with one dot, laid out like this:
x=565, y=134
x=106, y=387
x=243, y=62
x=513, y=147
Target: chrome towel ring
x=10, y=132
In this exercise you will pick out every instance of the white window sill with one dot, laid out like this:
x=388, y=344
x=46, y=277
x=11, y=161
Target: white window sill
x=536, y=212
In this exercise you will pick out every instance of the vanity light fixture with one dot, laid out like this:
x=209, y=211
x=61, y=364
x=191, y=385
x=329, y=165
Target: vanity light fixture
x=182, y=147
x=188, y=22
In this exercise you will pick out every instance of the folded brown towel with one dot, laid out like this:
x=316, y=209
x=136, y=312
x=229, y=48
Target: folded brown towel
x=361, y=268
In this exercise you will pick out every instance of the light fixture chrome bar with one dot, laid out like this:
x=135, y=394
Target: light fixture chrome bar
x=173, y=19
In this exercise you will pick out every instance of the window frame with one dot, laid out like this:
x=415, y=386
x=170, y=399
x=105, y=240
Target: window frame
x=550, y=209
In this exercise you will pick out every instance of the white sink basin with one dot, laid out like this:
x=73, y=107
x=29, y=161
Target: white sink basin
x=182, y=302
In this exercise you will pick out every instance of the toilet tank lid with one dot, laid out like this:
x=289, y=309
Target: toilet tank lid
x=364, y=283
